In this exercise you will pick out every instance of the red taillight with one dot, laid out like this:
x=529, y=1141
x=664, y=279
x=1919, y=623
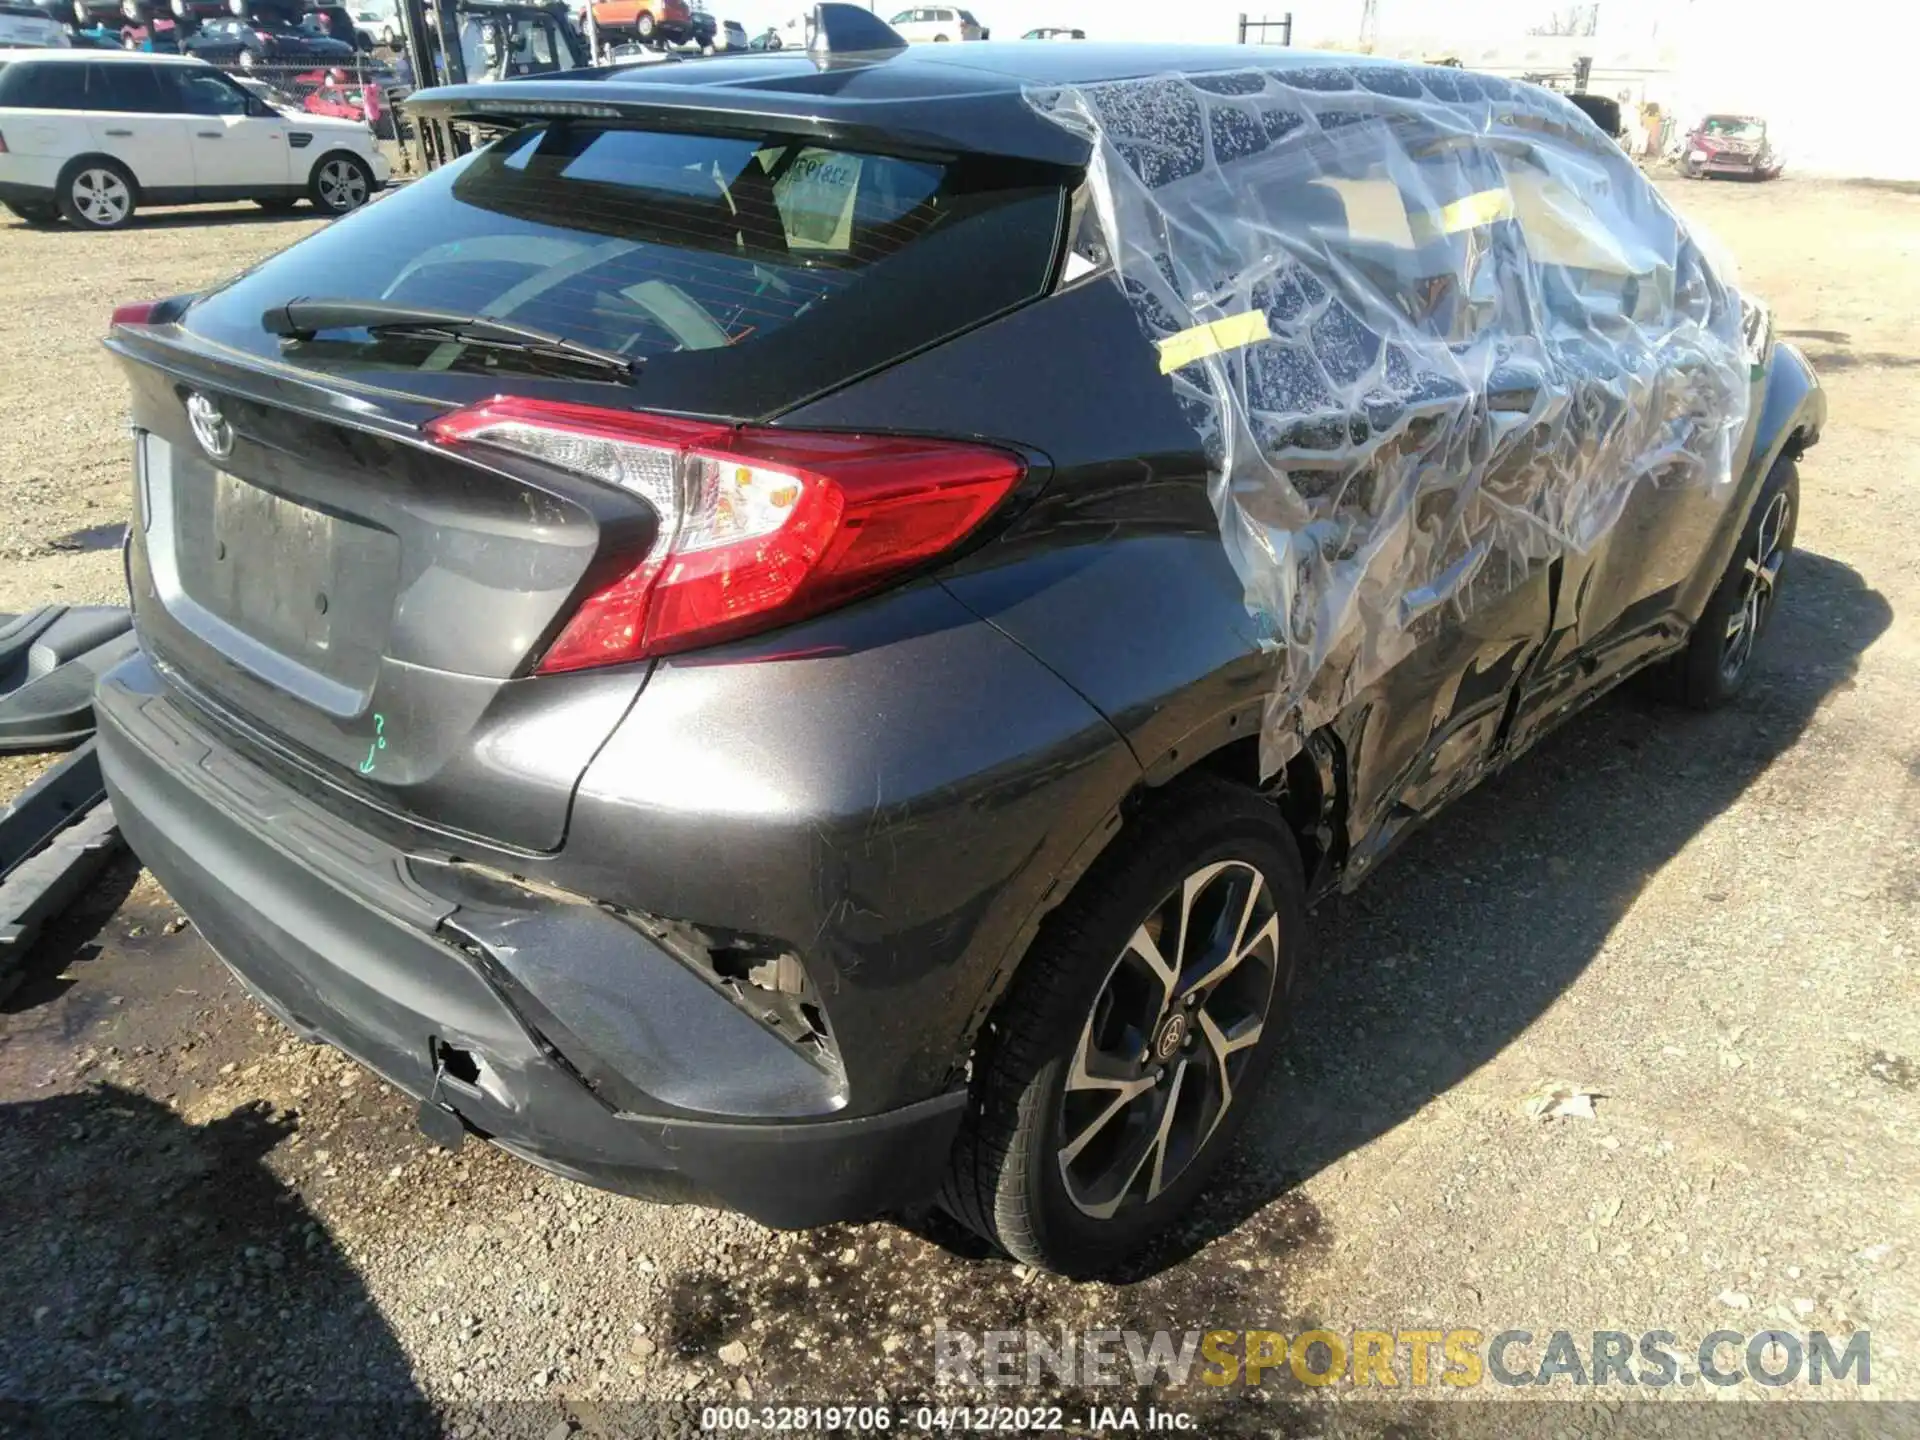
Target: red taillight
x=3, y=144
x=138, y=313
x=758, y=526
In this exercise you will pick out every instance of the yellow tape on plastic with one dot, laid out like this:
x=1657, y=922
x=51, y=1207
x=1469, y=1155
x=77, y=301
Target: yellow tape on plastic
x=1210, y=339
x=1482, y=207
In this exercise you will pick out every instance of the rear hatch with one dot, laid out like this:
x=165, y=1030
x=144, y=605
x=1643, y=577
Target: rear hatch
x=372, y=604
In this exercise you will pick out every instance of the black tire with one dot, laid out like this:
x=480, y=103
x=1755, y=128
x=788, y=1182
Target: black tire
x=1008, y=1179
x=334, y=193
x=34, y=212
x=1712, y=670
x=95, y=175
x=643, y=27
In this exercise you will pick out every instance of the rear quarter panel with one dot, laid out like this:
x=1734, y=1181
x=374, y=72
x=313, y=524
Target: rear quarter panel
x=39, y=142
x=1115, y=577
x=893, y=792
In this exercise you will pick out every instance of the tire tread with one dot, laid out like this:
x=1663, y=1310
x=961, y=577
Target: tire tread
x=986, y=1187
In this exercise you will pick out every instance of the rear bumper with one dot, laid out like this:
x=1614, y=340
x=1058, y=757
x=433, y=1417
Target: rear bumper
x=335, y=933
x=23, y=191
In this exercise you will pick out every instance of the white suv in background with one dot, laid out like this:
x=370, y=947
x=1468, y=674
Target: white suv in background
x=381, y=20
x=88, y=135
x=937, y=23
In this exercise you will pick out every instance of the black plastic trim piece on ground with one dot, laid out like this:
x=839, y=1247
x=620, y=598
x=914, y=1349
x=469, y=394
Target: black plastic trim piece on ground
x=50, y=660
x=49, y=805
x=53, y=840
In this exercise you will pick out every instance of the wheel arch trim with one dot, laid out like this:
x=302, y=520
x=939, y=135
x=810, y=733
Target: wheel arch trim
x=101, y=159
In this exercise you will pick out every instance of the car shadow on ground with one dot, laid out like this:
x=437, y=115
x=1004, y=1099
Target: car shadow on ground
x=198, y=215
x=159, y=1278
x=1487, y=916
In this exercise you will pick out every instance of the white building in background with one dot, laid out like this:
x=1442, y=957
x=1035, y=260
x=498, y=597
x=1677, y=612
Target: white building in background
x=1831, y=77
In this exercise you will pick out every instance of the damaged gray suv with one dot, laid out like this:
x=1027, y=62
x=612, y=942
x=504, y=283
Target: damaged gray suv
x=800, y=633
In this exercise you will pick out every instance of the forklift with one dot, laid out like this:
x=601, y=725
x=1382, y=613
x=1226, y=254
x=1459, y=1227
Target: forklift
x=454, y=42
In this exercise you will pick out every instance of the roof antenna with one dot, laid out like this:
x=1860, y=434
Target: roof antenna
x=835, y=31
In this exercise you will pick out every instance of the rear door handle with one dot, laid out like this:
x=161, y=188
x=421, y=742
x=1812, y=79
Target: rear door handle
x=209, y=134
x=120, y=134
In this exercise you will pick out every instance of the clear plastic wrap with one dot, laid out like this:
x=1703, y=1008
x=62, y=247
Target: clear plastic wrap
x=1432, y=327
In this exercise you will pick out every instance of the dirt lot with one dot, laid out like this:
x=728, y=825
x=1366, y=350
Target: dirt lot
x=1709, y=922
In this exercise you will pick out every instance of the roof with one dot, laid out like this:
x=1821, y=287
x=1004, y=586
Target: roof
x=1009, y=64
x=941, y=97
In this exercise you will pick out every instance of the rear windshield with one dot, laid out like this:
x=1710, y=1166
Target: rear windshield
x=746, y=273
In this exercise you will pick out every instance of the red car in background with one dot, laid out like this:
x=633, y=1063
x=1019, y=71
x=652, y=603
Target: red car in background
x=333, y=94
x=1729, y=145
x=648, y=20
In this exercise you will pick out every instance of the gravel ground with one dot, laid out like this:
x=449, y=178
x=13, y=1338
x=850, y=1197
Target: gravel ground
x=1707, y=922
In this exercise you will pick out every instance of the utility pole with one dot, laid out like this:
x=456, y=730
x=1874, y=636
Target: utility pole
x=1369, y=25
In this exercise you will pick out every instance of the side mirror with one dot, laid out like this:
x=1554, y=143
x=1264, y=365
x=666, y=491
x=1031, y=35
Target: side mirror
x=260, y=109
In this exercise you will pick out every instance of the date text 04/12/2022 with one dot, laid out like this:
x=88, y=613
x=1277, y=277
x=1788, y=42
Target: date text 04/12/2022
x=943, y=1419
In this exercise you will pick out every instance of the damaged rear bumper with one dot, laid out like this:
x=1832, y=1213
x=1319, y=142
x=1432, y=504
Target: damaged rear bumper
x=499, y=1014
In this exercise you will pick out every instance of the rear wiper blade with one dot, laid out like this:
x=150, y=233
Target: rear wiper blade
x=303, y=319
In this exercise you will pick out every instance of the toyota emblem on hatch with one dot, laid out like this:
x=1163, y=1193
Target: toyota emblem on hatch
x=210, y=427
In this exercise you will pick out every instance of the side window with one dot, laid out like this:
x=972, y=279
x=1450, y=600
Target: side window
x=902, y=18
x=206, y=92
x=128, y=88
x=1397, y=236
x=46, y=87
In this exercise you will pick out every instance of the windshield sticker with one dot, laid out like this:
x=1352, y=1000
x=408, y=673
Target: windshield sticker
x=815, y=198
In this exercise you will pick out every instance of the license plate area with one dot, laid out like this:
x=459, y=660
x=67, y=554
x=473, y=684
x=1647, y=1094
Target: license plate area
x=273, y=565
x=299, y=596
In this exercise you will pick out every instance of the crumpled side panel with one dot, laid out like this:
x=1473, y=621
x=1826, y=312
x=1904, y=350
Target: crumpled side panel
x=1431, y=327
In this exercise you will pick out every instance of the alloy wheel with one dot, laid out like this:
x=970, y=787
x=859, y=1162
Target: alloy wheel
x=1760, y=578
x=1168, y=1039
x=341, y=185
x=102, y=197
